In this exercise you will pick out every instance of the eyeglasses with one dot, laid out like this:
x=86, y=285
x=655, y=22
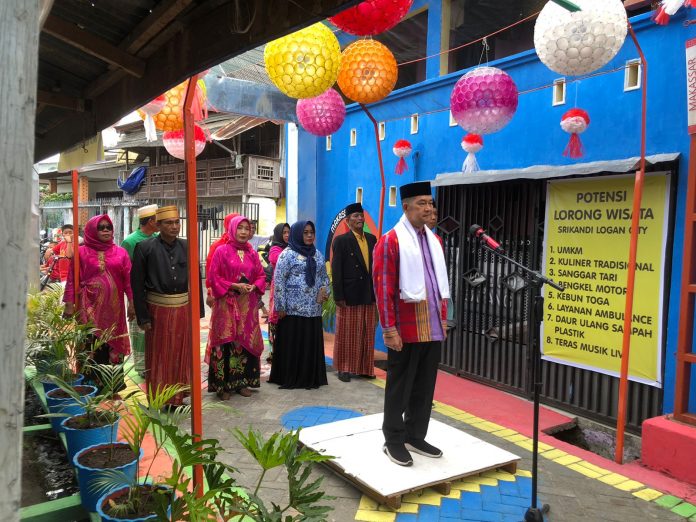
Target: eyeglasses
x=102, y=228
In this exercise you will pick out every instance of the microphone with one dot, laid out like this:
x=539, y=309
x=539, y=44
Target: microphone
x=477, y=232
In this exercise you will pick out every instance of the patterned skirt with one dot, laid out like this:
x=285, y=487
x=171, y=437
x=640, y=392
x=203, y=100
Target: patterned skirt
x=232, y=368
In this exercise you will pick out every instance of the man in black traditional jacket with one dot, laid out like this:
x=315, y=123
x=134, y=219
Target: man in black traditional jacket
x=159, y=279
x=356, y=313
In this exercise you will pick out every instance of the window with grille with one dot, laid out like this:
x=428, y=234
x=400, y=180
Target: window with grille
x=264, y=172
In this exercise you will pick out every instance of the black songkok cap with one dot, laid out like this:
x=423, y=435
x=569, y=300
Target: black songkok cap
x=420, y=188
x=353, y=208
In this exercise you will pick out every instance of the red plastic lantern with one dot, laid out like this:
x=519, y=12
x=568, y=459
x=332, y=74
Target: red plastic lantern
x=575, y=122
x=402, y=148
x=174, y=141
x=371, y=16
x=472, y=144
x=368, y=71
x=150, y=109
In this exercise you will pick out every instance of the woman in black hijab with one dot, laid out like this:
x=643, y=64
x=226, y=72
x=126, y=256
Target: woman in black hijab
x=301, y=287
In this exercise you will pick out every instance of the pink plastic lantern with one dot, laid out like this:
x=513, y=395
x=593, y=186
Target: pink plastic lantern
x=174, y=141
x=371, y=16
x=484, y=100
x=323, y=114
x=150, y=109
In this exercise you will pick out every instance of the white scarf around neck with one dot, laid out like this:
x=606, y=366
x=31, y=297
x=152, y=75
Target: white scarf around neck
x=411, y=266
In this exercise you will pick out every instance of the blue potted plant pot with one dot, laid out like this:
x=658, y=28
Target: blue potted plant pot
x=114, y=494
x=50, y=385
x=77, y=439
x=86, y=475
x=67, y=406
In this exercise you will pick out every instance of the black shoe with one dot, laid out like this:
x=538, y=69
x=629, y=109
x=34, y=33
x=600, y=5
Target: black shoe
x=398, y=454
x=344, y=376
x=423, y=448
x=368, y=376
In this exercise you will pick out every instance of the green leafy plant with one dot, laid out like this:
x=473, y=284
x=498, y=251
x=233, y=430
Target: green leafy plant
x=55, y=342
x=174, y=498
x=100, y=409
x=284, y=449
x=328, y=313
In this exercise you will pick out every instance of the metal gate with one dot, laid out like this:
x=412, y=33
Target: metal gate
x=488, y=339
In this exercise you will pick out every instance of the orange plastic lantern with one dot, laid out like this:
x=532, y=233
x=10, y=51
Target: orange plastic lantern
x=171, y=117
x=368, y=71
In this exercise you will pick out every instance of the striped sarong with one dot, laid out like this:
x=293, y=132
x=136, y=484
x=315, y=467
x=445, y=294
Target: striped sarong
x=354, y=344
x=167, y=343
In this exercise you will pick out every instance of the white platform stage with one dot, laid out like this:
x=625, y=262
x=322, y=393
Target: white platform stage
x=357, y=443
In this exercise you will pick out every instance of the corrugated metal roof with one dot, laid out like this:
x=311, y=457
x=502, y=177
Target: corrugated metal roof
x=220, y=126
x=549, y=171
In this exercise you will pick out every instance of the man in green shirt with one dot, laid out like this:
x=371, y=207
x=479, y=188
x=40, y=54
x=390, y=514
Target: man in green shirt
x=148, y=227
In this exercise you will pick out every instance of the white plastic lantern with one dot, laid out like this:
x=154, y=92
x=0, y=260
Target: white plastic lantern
x=575, y=43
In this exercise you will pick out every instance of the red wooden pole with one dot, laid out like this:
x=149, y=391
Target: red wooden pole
x=76, y=238
x=632, y=255
x=685, y=357
x=381, y=171
x=194, y=274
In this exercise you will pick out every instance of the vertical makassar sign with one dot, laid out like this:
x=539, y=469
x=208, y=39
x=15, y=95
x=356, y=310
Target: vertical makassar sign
x=691, y=83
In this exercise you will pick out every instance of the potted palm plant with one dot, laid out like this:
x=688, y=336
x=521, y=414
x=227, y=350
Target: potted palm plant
x=97, y=423
x=54, y=341
x=139, y=494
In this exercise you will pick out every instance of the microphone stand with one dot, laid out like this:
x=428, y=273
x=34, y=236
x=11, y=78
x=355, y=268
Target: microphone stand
x=535, y=306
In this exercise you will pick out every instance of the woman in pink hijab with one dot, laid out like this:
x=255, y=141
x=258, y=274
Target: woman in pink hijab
x=104, y=281
x=237, y=283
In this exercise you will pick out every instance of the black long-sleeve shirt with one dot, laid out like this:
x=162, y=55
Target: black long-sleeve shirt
x=162, y=268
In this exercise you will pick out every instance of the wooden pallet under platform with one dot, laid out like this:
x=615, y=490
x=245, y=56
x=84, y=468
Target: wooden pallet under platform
x=357, y=444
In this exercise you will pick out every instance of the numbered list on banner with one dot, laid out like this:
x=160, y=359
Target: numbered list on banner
x=587, y=236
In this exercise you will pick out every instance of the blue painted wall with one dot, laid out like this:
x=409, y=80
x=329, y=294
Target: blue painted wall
x=533, y=137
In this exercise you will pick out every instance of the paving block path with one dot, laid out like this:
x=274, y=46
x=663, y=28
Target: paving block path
x=575, y=489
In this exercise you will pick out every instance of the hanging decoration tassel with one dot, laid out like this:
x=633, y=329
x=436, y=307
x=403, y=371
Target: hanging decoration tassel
x=668, y=8
x=575, y=122
x=472, y=144
x=150, y=109
x=401, y=149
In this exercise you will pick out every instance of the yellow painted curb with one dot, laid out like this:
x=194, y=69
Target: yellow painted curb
x=648, y=494
x=375, y=516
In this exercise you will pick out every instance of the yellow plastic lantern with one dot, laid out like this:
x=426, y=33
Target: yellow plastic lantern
x=305, y=63
x=368, y=71
x=171, y=117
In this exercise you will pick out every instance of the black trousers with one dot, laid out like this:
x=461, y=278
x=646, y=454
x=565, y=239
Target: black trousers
x=408, y=396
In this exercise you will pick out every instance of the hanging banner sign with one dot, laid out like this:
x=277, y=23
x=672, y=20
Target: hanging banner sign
x=84, y=153
x=691, y=84
x=586, y=244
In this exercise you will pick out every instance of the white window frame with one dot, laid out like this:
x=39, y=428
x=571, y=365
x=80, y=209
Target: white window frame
x=359, y=195
x=452, y=121
x=382, y=130
x=353, y=137
x=392, y=196
x=414, y=123
x=636, y=65
x=328, y=142
x=561, y=84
